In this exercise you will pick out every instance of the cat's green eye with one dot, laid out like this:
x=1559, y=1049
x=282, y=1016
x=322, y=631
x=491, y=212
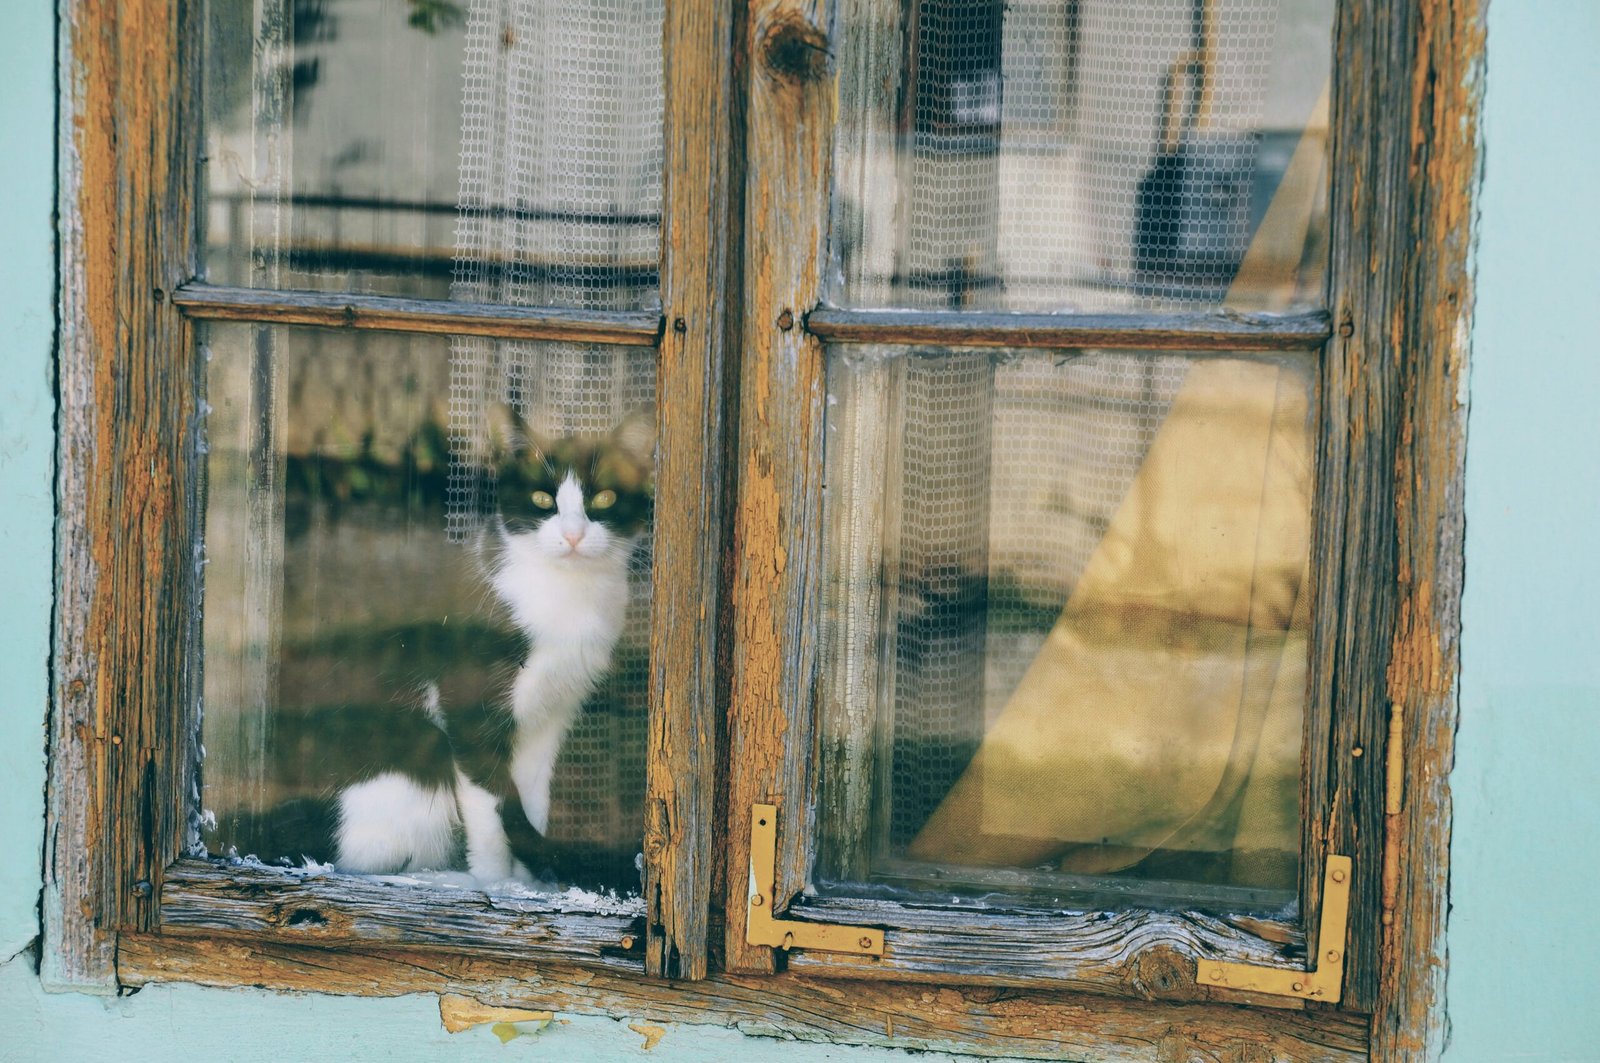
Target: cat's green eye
x=543, y=500
x=604, y=500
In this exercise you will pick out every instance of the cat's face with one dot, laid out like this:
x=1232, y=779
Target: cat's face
x=576, y=498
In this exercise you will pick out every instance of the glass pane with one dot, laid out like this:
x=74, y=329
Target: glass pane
x=1081, y=155
x=425, y=646
x=493, y=150
x=1065, y=619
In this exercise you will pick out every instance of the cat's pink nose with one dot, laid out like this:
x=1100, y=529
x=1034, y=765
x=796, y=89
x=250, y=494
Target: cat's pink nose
x=573, y=538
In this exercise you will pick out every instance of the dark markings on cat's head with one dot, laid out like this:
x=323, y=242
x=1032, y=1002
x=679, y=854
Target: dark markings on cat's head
x=613, y=470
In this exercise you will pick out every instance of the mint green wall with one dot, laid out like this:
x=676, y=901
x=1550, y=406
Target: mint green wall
x=1525, y=876
x=27, y=329
x=1527, y=780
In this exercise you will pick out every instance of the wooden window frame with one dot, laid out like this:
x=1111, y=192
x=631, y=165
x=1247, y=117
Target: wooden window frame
x=119, y=911
x=124, y=737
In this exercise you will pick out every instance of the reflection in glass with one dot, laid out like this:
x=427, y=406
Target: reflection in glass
x=1081, y=155
x=383, y=696
x=1065, y=619
x=501, y=150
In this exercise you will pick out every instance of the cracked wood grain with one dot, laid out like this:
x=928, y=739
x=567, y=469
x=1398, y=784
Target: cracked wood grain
x=1441, y=182
x=127, y=489
x=347, y=912
x=987, y=1020
x=697, y=257
x=777, y=547
x=1390, y=482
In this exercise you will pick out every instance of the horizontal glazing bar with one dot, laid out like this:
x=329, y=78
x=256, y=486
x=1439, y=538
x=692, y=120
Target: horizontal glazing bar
x=395, y=314
x=400, y=205
x=1213, y=331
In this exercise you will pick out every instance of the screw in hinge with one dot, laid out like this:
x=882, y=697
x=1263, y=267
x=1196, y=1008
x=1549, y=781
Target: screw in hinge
x=142, y=889
x=786, y=320
x=1337, y=876
x=757, y=901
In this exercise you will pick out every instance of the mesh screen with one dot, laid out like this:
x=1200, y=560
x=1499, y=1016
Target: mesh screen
x=981, y=489
x=560, y=193
x=365, y=450
x=560, y=206
x=326, y=542
x=1078, y=155
x=942, y=548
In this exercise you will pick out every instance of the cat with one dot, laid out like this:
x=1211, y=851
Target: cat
x=460, y=771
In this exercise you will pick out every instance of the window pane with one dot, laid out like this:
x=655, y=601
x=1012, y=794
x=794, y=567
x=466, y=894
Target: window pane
x=1089, y=155
x=469, y=149
x=426, y=647
x=1065, y=618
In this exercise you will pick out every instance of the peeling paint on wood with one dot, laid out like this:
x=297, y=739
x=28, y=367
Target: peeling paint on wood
x=126, y=595
x=652, y=1034
x=350, y=912
x=692, y=417
x=986, y=1020
x=1443, y=169
x=1390, y=471
x=777, y=548
x=461, y=1013
x=1135, y=953
x=1389, y=468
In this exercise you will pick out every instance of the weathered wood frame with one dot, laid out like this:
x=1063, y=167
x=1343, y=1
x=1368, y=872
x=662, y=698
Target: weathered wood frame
x=123, y=657
x=124, y=730
x=1387, y=538
x=1142, y=953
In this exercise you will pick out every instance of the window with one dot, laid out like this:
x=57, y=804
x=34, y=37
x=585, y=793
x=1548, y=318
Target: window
x=1031, y=386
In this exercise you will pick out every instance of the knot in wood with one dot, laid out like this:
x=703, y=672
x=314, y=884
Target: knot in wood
x=795, y=50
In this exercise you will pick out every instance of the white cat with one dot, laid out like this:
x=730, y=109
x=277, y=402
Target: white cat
x=471, y=752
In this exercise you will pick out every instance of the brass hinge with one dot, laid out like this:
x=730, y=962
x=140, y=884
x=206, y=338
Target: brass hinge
x=1326, y=978
x=761, y=927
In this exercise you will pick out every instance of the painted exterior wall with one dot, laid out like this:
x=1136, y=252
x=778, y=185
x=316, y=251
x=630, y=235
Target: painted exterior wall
x=1527, y=791
x=1525, y=905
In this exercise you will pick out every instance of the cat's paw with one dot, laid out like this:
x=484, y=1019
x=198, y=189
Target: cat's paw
x=537, y=809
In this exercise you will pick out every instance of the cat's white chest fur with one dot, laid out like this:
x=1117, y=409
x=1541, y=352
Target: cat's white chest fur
x=577, y=601
x=572, y=609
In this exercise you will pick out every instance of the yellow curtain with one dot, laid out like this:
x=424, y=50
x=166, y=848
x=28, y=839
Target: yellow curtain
x=1164, y=710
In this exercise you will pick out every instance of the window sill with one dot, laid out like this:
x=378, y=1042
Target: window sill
x=991, y=1021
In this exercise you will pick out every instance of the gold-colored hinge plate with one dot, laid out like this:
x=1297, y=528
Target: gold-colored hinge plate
x=1325, y=981
x=763, y=928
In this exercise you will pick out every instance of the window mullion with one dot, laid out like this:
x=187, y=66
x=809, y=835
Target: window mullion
x=781, y=401
x=1215, y=331
x=699, y=253
x=396, y=314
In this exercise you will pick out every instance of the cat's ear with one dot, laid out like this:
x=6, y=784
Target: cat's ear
x=510, y=433
x=506, y=431
x=636, y=436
